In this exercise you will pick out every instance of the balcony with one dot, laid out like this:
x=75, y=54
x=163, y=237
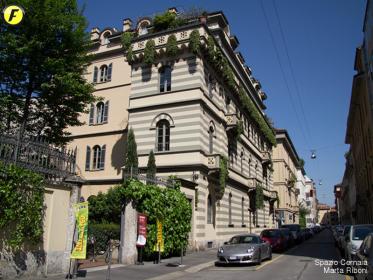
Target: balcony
x=231, y=120
x=213, y=163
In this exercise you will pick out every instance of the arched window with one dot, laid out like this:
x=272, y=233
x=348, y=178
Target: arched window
x=230, y=209
x=100, y=108
x=143, y=29
x=211, y=139
x=163, y=136
x=165, y=79
x=209, y=83
x=241, y=161
x=96, y=157
x=105, y=38
x=105, y=72
x=209, y=210
x=243, y=211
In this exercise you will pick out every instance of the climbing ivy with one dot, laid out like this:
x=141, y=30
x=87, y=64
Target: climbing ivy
x=126, y=40
x=223, y=174
x=194, y=42
x=259, y=196
x=149, y=52
x=166, y=204
x=221, y=64
x=22, y=205
x=171, y=46
x=239, y=129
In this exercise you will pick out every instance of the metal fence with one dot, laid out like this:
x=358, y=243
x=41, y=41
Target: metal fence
x=140, y=174
x=36, y=154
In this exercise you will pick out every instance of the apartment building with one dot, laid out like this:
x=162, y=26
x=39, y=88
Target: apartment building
x=285, y=165
x=360, y=128
x=181, y=107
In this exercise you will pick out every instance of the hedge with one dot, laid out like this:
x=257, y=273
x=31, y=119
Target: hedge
x=102, y=234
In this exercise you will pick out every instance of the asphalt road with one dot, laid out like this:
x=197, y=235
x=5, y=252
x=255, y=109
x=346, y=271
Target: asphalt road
x=309, y=260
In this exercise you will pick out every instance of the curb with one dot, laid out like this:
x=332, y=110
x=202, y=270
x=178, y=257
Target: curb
x=177, y=274
x=103, y=267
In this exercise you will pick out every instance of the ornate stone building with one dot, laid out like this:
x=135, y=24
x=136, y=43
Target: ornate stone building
x=360, y=127
x=194, y=113
x=285, y=165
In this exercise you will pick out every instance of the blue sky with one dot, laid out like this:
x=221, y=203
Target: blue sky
x=311, y=98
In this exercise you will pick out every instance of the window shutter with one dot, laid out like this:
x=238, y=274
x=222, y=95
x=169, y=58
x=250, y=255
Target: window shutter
x=95, y=74
x=106, y=111
x=88, y=158
x=102, y=159
x=91, y=114
x=109, y=72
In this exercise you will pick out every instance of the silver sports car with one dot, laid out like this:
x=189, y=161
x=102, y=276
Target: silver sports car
x=245, y=248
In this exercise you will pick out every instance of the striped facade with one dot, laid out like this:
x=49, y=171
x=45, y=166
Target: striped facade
x=197, y=113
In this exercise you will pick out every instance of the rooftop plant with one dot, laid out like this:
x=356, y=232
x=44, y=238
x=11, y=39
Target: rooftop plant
x=166, y=21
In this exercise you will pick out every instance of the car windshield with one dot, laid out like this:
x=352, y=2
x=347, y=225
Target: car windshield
x=244, y=240
x=361, y=232
x=270, y=233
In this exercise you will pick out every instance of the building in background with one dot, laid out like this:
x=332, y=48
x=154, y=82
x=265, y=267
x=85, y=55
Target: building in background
x=181, y=106
x=359, y=176
x=285, y=165
x=307, y=196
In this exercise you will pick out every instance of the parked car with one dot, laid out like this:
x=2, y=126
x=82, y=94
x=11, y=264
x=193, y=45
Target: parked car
x=245, y=248
x=354, y=239
x=308, y=232
x=337, y=232
x=364, y=256
x=276, y=238
x=288, y=237
x=296, y=231
x=341, y=243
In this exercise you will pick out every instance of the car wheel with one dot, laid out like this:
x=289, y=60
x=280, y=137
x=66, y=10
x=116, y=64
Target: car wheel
x=259, y=262
x=270, y=255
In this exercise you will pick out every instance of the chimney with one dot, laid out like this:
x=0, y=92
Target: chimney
x=95, y=33
x=127, y=24
x=172, y=10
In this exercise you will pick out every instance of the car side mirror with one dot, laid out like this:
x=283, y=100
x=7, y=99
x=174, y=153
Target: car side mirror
x=226, y=243
x=262, y=241
x=366, y=252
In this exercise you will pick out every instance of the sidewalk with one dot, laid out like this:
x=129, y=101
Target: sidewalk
x=193, y=262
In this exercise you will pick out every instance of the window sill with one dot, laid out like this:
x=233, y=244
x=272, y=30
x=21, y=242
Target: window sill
x=231, y=225
x=94, y=170
x=97, y=83
x=97, y=124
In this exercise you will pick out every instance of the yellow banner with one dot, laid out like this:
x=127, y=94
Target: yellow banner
x=81, y=215
x=159, y=246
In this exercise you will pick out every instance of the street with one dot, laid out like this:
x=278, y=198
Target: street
x=297, y=263
x=315, y=258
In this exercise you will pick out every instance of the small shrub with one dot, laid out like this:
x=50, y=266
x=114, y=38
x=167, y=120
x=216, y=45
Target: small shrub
x=171, y=46
x=102, y=234
x=149, y=52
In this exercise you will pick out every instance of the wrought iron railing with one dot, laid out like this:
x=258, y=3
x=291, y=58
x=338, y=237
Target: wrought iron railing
x=36, y=154
x=140, y=174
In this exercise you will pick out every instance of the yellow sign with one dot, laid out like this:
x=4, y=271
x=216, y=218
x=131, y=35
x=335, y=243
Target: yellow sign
x=13, y=14
x=81, y=215
x=159, y=246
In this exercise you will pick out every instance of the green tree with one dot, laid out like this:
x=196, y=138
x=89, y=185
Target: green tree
x=131, y=159
x=151, y=168
x=42, y=62
x=303, y=212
